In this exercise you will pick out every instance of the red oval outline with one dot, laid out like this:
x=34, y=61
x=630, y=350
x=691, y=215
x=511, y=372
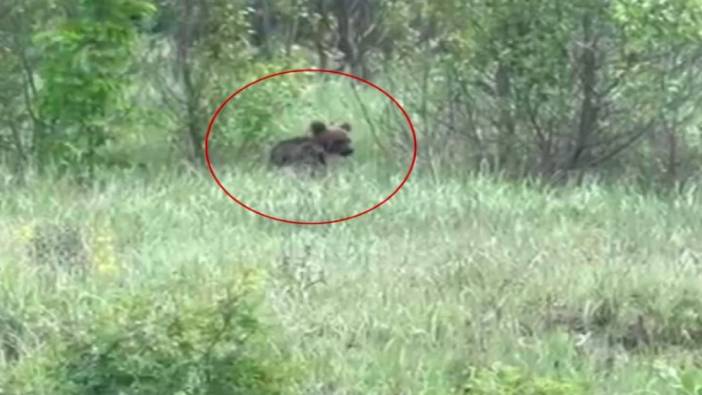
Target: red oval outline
x=314, y=70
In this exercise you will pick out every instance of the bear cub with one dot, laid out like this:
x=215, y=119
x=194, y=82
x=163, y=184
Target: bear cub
x=313, y=150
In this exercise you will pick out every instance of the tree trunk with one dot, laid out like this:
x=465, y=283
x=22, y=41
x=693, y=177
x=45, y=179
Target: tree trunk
x=193, y=143
x=588, y=108
x=672, y=162
x=507, y=127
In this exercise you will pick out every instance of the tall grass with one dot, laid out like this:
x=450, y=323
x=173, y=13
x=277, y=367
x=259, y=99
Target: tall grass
x=455, y=284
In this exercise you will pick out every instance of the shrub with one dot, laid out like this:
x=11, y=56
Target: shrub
x=503, y=380
x=191, y=335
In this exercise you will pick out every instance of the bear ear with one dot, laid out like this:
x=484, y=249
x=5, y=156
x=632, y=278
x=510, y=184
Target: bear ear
x=318, y=127
x=346, y=126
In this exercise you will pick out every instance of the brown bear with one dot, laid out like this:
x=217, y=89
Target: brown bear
x=313, y=150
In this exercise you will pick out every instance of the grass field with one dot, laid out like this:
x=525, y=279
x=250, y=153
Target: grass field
x=455, y=286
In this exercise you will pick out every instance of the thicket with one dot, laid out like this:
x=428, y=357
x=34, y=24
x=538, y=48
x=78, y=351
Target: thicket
x=554, y=89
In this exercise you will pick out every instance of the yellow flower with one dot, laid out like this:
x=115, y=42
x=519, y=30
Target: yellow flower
x=103, y=252
x=26, y=232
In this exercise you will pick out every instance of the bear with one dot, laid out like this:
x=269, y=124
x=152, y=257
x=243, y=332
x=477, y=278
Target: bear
x=313, y=150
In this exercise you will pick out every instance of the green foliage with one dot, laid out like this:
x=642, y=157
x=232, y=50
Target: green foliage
x=504, y=380
x=651, y=23
x=683, y=381
x=559, y=74
x=184, y=336
x=509, y=79
x=662, y=28
x=251, y=116
x=83, y=71
x=225, y=39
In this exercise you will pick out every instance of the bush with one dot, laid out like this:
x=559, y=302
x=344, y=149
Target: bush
x=249, y=118
x=502, y=380
x=191, y=335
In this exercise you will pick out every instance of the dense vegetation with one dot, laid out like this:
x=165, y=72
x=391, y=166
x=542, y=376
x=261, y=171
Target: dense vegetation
x=547, y=243
x=549, y=89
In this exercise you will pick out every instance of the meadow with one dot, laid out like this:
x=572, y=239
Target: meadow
x=457, y=285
